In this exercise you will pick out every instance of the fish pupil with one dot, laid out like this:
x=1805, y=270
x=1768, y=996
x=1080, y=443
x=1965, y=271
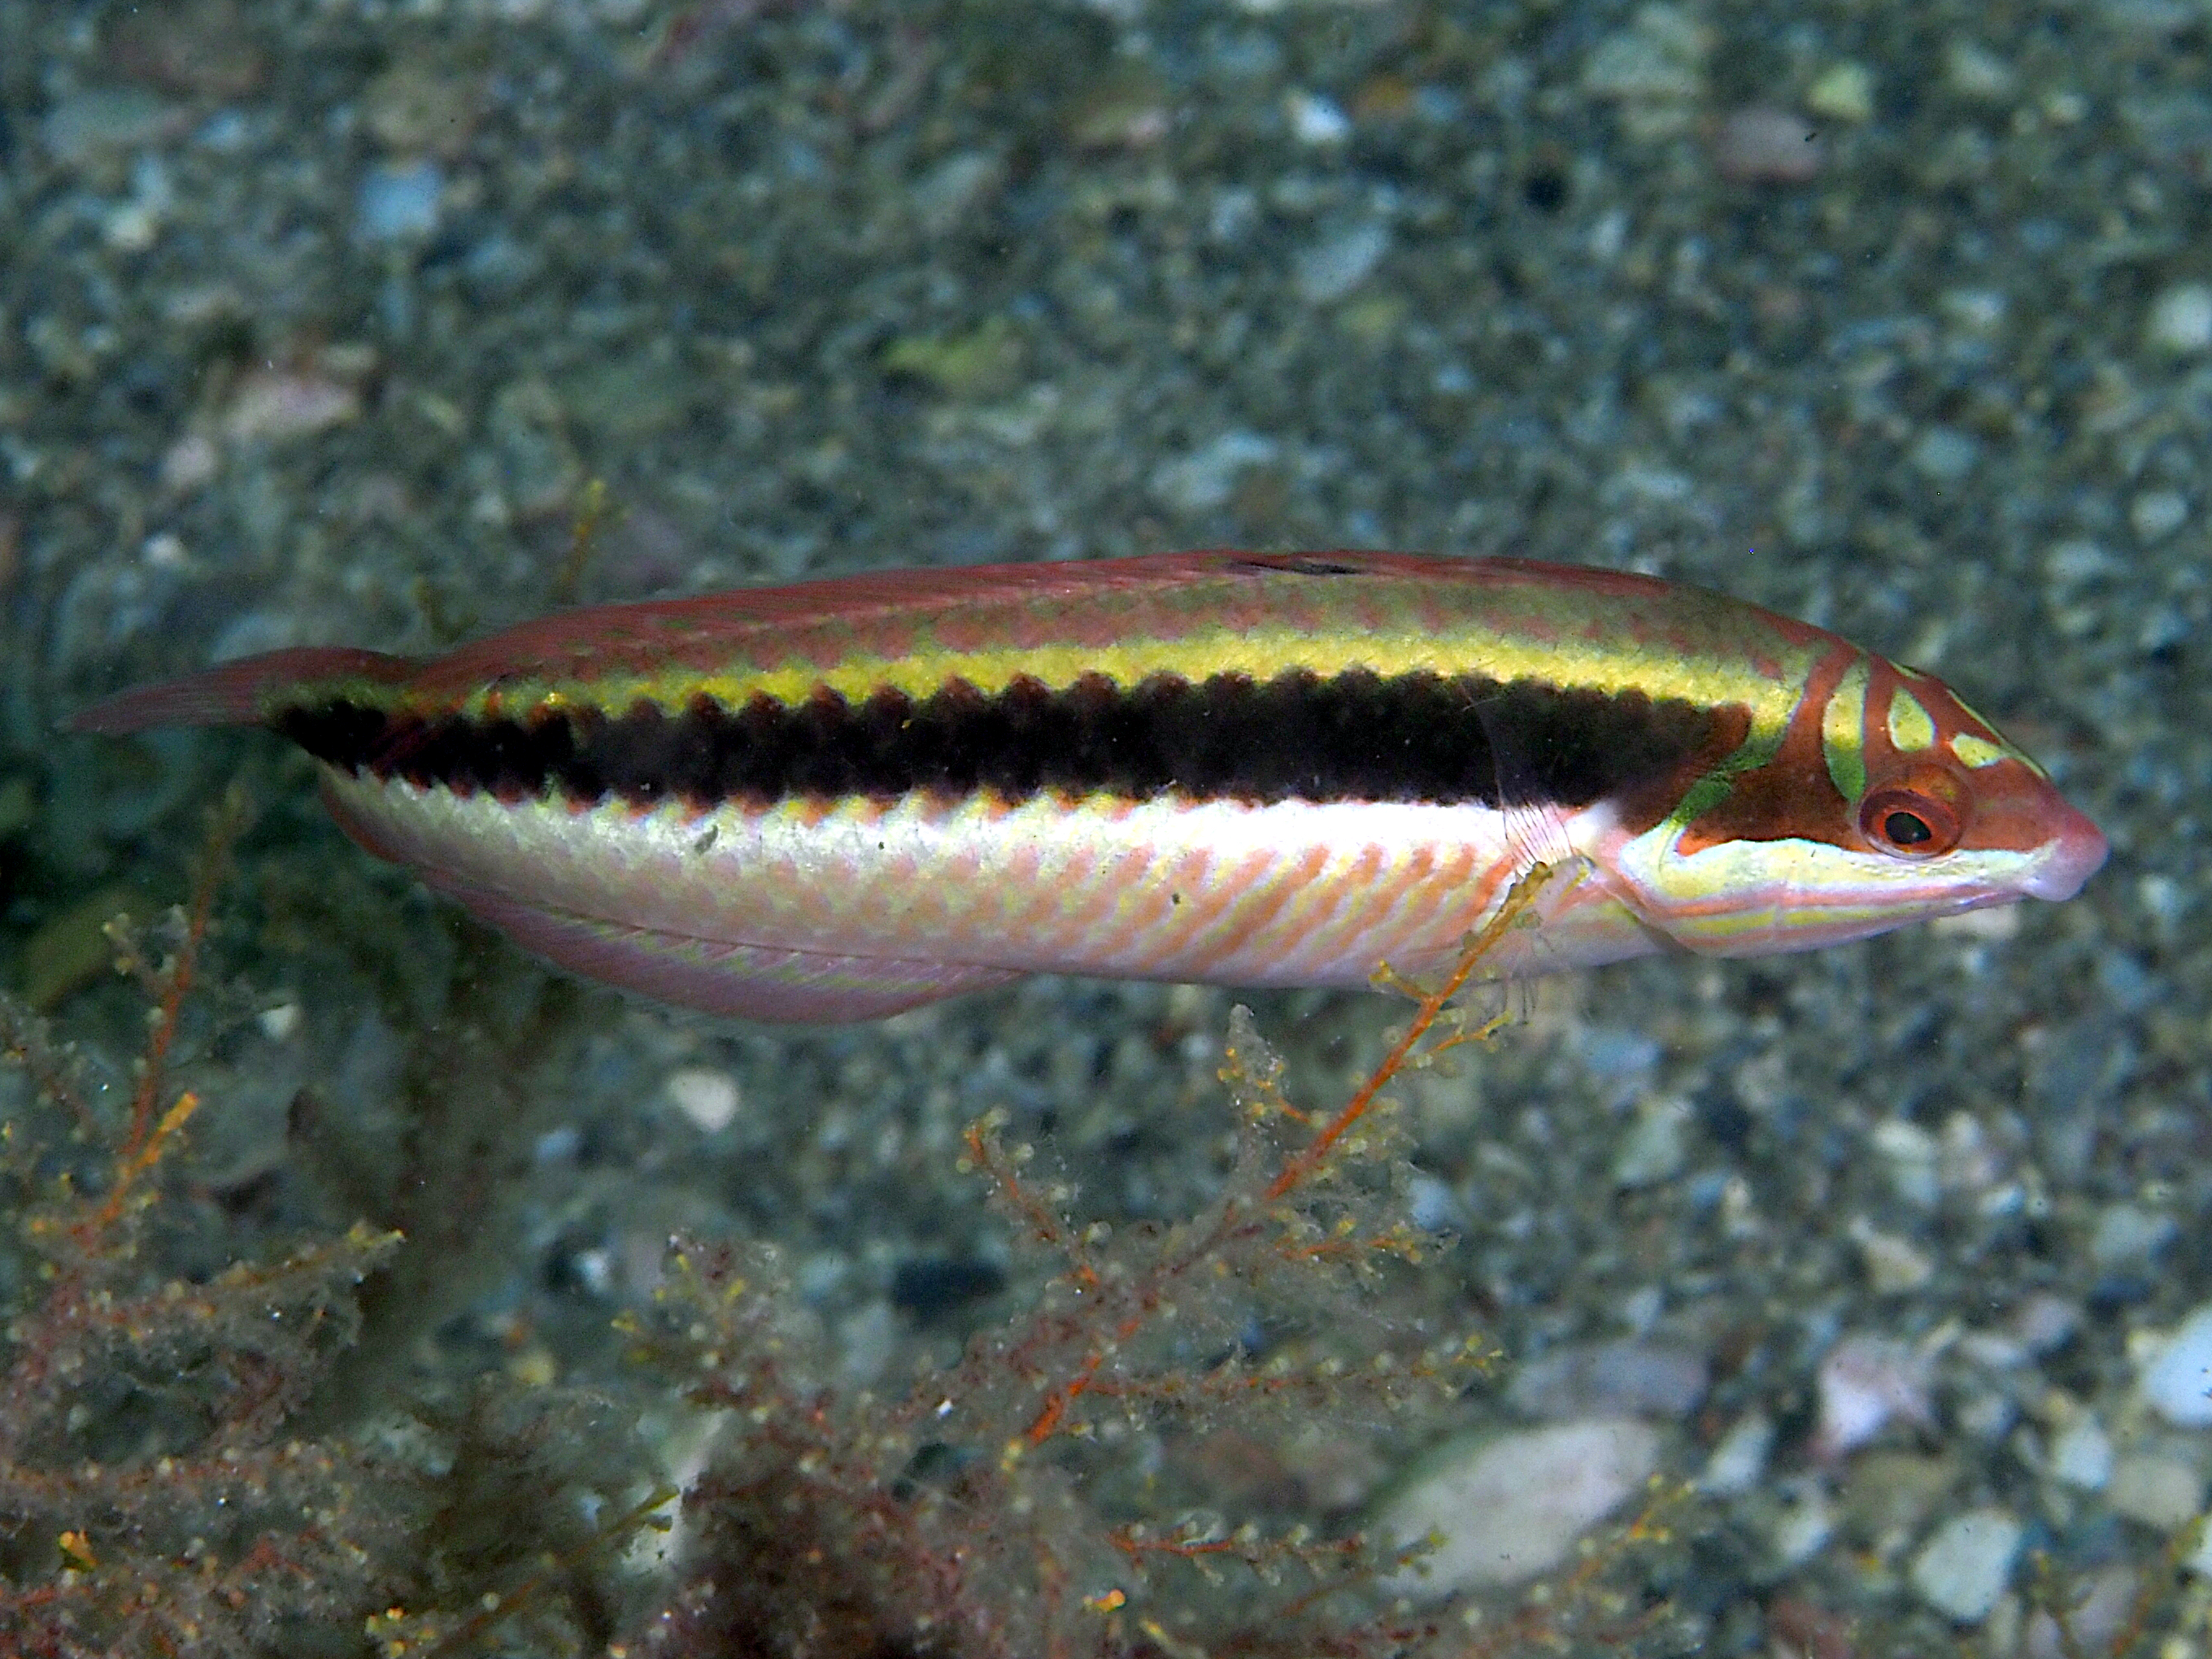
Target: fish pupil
x=1906, y=830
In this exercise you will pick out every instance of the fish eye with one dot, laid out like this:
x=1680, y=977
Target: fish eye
x=1915, y=815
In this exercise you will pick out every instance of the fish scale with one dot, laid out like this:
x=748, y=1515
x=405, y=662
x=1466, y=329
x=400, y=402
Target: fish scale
x=835, y=800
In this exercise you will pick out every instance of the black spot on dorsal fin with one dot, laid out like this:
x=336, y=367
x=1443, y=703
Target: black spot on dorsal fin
x=1297, y=564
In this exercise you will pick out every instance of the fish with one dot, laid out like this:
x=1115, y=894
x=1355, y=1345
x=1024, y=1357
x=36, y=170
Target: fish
x=838, y=799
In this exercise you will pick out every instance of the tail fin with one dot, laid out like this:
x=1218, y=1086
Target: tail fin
x=241, y=693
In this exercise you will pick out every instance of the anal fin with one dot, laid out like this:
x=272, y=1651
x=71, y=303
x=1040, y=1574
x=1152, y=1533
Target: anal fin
x=744, y=981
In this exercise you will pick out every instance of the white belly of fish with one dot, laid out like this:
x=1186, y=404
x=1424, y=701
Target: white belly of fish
x=860, y=899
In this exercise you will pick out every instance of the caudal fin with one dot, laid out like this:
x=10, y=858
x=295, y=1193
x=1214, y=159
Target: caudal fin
x=241, y=693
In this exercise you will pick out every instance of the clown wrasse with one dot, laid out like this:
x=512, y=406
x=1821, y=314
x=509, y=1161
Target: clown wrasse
x=837, y=799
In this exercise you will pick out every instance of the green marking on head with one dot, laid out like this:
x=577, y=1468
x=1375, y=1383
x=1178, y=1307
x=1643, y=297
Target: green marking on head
x=1911, y=728
x=1842, y=732
x=1975, y=751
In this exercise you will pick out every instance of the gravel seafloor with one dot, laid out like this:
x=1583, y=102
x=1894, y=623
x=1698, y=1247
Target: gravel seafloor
x=316, y=319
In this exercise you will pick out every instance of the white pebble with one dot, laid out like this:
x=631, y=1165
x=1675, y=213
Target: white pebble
x=1741, y=1458
x=1507, y=1509
x=1864, y=1382
x=2180, y=319
x=1967, y=1563
x=278, y=1023
x=1314, y=119
x=2157, y=514
x=707, y=1097
x=2178, y=1382
x=2081, y=1455
x=2045, y=1323
x=1803, y=1529
x=1328, y=270
x=189, y=463
x=1914, y=1156
x=1763, y=145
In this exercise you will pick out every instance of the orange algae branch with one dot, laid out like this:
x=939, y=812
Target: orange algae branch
x=133, y=1163
x=1518, y=901
x=173, y=981
x=1141, y=1296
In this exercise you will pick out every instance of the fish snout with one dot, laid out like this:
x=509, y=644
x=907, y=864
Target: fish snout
x=2075, y=851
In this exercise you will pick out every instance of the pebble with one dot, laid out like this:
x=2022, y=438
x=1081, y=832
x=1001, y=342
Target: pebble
x=1864, y=1382
x=1206, y=478
x=398, y=200
x=1507, y=1509
x=1314, y=119
x=1802, y=1528
x=2081, y=1454
x=1740, y=1459
x=1763, y=145
x=709, y=1097
x=2161, y=1491
x=2127, y=1237
x=1893, y=1264
x=1915, y=1159
x=2157, y=514
x=1653, y=69
x=2096, y=1613
x=1944, y=455
x=1977, y=73
x=189, y=463
x=1975, y=311
x=984, y=361
x=2180, y=320
x=1130, y=110
x=1966, y=1566
x=1889, y=1495
x=1842, y=92
x=1330, y=269
x=86, y=124
x=2178, y=1381
x=867, y=1339
x=942, y=196
x=1611, y=1379
x=274, y=404
x=1986, y=1414
x=1655, y=1149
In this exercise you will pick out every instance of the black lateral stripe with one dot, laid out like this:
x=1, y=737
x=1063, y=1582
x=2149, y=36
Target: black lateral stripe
x=1353, y=737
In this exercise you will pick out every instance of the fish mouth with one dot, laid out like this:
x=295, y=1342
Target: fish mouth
x=2073, y=855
